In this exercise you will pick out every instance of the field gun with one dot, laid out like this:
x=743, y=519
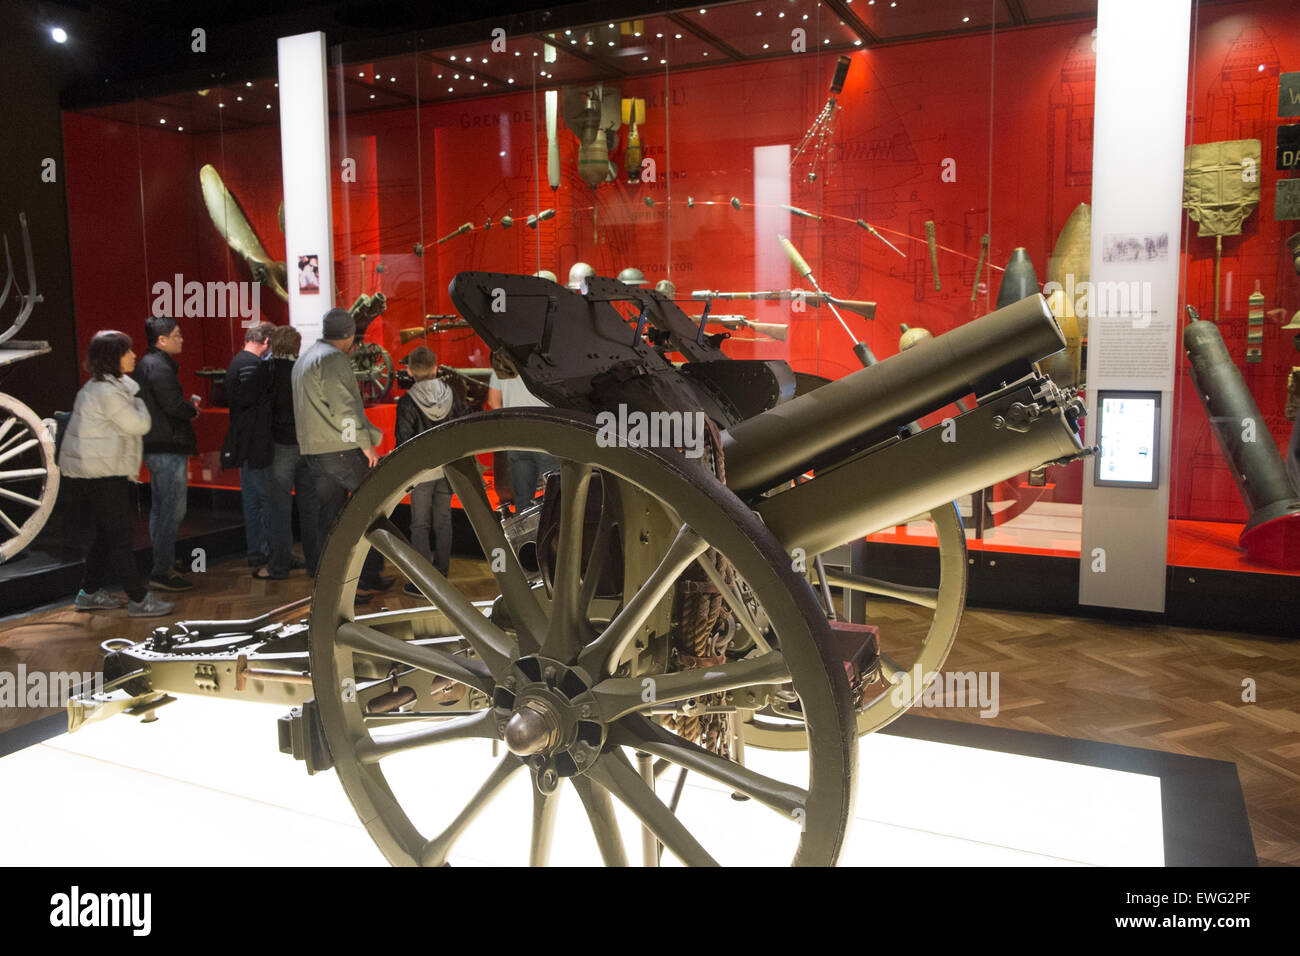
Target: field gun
x=671, y=619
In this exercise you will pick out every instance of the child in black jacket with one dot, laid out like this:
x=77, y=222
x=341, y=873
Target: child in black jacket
x=429, y=402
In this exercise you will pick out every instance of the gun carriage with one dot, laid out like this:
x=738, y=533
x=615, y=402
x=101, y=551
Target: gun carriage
x=672, y=619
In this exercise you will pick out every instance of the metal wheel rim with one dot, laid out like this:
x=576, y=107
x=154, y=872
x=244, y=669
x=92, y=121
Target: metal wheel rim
x=37, y=510
x=702, y=503
x=937, y=644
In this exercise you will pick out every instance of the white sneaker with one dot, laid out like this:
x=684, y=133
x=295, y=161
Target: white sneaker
x=100, y=600
x=151, y=606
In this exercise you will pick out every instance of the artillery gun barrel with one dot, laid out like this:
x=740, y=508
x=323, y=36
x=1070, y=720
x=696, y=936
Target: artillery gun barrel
x=834, y=422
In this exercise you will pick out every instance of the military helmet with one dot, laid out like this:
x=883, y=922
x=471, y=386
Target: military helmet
x=579, y=272
x=546, y=274
x=632, y=276
x=666, y=289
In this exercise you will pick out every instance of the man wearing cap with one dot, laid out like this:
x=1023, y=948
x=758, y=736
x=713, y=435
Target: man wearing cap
x=335, y=438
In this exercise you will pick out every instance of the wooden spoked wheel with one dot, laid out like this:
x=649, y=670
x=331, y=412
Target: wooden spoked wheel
x=29, y=478
x=575, y=683
x=914, y=640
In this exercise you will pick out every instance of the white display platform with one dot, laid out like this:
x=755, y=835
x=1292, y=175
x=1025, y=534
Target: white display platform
x=205, y=785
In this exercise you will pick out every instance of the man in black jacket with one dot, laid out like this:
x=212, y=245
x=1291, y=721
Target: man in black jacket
x=167, y=446
x=249, y=446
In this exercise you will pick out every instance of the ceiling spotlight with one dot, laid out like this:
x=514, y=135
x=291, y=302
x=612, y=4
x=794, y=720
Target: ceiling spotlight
x=758, y=13
x=502, y=153
x=59, y=35
x=827, y=40
x=965, y=19
x=1261, y=68
x=363, y=76
x=392, y=79
x=372, y=96
x=455, y=76
x=645, y=58
x=249, y=84
x=221, y=106
x=764, y=46
x=568, y=32
x=484, y=59
x=239, y=99
x=485, y=83
x=180, y=129
x=805, y=16
x=611, y=42
x=677, y=36
x=702, y=10
x=661, y=62
x=511, y=80
x=516, y=52
x=706, y=52
x=440, y=76
x=268, y=105
x=453, y=56
x=162, y=121
x=857, y=43
x=449, y=89
x=781, y=15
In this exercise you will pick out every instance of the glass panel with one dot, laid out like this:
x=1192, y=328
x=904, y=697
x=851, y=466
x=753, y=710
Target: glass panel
x=1241, y=275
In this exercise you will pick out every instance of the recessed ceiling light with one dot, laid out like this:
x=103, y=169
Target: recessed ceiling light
x=611, y=42
x=645, y=58
x=702, y=10
x=781, y=15
x=162, y=121
x=453, y=56
x=362, y=75
x=221, y=106
x=662, y=62
x=827, y=40
x=758, y=13
x=1261, y=68
x=471, y=76
x=372, y=96
x=568, y=32
x=611, y=26
x=268, y=105
x=502, y=153
x=706, y=52
x=805, y=16
x=659, y=36
x=455, y=76
x=678, y=36
x=516, y=52
x=449, y=89
x=180, y=129
x=857, y=43
x=764, y=46
x=485, y=82
x=511, y=80
x=440, y=76
x=484, y=59
x=239, y=99
x=59, y=35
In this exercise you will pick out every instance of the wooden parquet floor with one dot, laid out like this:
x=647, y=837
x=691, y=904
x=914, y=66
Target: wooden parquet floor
x=1156, y=687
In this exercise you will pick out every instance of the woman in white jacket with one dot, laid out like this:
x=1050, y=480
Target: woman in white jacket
x=100, y=458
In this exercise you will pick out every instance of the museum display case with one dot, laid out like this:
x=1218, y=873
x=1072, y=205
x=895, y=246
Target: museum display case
x=934, y=172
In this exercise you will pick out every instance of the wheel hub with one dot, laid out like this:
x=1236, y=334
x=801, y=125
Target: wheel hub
x=546, y=715
x=534, y=728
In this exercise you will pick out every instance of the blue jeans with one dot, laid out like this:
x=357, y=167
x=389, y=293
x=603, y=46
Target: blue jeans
x=257, y=509
x=431, y=508
x=525, y=468
x=333, y=477
x=287, y=479
x=168, y=488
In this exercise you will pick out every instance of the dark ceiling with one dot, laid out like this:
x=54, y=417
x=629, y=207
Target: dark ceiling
x=121, y=50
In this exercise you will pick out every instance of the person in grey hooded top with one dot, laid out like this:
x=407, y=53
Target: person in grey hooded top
x=429, y=402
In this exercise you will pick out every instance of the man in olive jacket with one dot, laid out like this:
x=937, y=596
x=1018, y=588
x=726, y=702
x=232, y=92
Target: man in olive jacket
x=167, y=446
x=334, y=436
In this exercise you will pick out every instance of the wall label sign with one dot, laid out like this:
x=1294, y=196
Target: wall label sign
x=1286, y=201
x=1288, y=146
x=1288, y=94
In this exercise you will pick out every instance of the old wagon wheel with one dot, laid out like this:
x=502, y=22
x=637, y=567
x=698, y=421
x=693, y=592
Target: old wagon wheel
x=375, y=371
x=913, y=643
x=539, y=667
x=29, y=478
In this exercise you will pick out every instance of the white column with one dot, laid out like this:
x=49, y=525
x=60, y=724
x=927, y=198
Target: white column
x=1137, y=174
x=305, y=157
